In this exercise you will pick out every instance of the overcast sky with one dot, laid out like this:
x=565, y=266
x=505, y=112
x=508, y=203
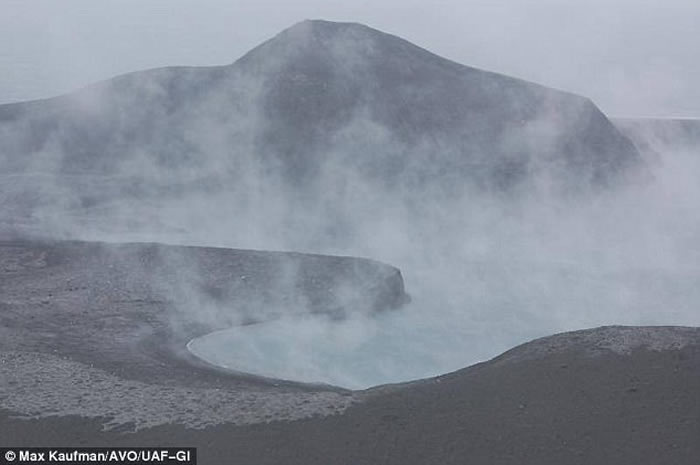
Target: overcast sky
x=632, y=57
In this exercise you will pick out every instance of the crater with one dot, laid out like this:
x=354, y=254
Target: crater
x=440, y=332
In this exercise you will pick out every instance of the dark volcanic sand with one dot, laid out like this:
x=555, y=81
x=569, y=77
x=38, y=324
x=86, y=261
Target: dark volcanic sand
x=86, y=359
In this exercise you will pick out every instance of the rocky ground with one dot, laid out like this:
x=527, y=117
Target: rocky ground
x=99, y=330
x=91, y=353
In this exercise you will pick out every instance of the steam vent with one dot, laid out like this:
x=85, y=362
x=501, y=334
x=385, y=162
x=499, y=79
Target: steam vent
x=550, y=257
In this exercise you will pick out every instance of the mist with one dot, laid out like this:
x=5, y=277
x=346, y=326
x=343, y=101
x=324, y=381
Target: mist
x=486, y=274
x=487, y=267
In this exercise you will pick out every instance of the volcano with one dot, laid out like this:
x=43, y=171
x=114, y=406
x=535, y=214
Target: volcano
x=318, y=103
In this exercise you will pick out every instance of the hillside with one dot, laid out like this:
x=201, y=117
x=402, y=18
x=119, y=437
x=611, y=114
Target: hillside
x=317, y=114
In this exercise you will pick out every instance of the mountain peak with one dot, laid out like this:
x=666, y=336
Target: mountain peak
x=338, y=44
x=321, y=28
x=316, y=32
x=326, y=92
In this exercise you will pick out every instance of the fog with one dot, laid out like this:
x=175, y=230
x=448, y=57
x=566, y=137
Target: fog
x=486, y=275
x=487, y=268
x=485, y=272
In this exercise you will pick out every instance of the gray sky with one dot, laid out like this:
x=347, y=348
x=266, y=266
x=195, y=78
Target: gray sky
x=632, y=57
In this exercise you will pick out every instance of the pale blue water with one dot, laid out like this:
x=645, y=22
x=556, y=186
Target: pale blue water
x=357, y=353
x=481, y=313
